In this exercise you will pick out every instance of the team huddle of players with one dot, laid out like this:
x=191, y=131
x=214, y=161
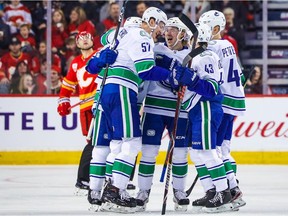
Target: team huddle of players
x=142, y=73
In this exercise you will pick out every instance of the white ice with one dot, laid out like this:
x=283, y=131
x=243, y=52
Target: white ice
x=48, y=190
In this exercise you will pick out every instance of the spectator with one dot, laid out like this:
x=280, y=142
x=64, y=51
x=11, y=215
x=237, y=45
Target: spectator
x=254, y=83
x=92, y=9
x=41, y=78
x=26, y=85
x=234, y=29
x=21, y=69
x=40, y=56
x=9, y=60
x=15, y=14
x=4, y=37
x=28, y=41
x=79, y=22
x=97, y=39
x=70, y=52
x=39, y=16
x=112, y=20
x=55, y=80
x=59, y=31
x=140, y=8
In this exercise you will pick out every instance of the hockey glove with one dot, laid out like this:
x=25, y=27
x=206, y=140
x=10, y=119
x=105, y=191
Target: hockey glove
x=186, y=76
x=173, y=82
x=93, y=66
x=64, y=106
x=166, y=62
x=107, y=56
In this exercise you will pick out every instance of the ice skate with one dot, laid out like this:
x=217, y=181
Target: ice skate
x=221, y=202
x=180, y=200
x=94, y=198
x=198, y=204
x=142, y=199
x=237, y=200
x=115, y=200
x=81, y=188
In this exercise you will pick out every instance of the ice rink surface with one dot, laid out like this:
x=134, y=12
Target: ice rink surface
x=48, y=190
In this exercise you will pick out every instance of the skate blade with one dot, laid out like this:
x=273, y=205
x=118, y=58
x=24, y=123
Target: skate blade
x=111, y=207
x=141, y=208
x=94, y=208
x=180, y=208
x=222, y=208
x=238, y=203
x=80, y=192
x=197, y=209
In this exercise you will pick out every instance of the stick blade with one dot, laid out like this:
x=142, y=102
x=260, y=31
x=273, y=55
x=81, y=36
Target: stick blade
x=190, y=25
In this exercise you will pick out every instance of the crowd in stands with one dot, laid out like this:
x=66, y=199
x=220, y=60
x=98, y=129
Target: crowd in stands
x=23, y=34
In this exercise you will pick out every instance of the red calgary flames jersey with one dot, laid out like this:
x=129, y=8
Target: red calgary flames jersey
x=77, y=75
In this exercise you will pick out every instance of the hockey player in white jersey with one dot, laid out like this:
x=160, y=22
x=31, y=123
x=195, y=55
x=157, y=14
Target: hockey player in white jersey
x=203, y=100
x=234, y=97
x=100, y=142
x=159, y=112
x=135, y=61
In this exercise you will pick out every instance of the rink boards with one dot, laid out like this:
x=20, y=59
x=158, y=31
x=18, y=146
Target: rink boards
x=32, y=132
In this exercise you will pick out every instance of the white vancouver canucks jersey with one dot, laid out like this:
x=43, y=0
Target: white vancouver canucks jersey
x=160, y=99
x=135, y=55
x=232, y=89
x=208, y=66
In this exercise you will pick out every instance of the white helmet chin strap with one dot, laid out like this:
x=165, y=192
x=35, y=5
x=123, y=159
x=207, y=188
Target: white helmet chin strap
x=177, y=40
x=152, y=28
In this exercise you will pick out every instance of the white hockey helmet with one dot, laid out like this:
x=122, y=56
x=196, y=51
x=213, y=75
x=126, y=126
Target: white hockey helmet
x=204, y=32
x=176, y=22
x=133, y=22
x=213, y=18
x=156, y=13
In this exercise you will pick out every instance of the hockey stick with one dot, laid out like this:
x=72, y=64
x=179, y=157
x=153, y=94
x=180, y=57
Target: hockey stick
x=188, y=192
x=112, y=47
x=82, y=102
x=194, y=52
x=181, y=92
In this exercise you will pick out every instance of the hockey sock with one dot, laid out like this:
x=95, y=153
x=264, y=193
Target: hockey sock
x=125, y=162
x=115, y=148
x=202, y=170
x=179, y=168
x=147, y=166
x=215, y=168
x=97, y=167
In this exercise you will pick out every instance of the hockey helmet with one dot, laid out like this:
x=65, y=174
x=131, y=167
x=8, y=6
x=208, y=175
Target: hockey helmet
x=204, y=32
x=176, y=22
x=133, y=22
x=213, y=18
x=83, y=35
x=156, y=13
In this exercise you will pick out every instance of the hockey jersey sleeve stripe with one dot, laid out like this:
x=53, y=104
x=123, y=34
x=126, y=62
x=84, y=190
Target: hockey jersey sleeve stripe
x=69, y=83
x=144, y=65
x=238, y=103
x=104, y=38
x=67, y=88
x=215, y=85
x=160, y=102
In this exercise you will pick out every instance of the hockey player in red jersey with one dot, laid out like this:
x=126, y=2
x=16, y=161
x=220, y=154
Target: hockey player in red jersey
x=78, y=76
